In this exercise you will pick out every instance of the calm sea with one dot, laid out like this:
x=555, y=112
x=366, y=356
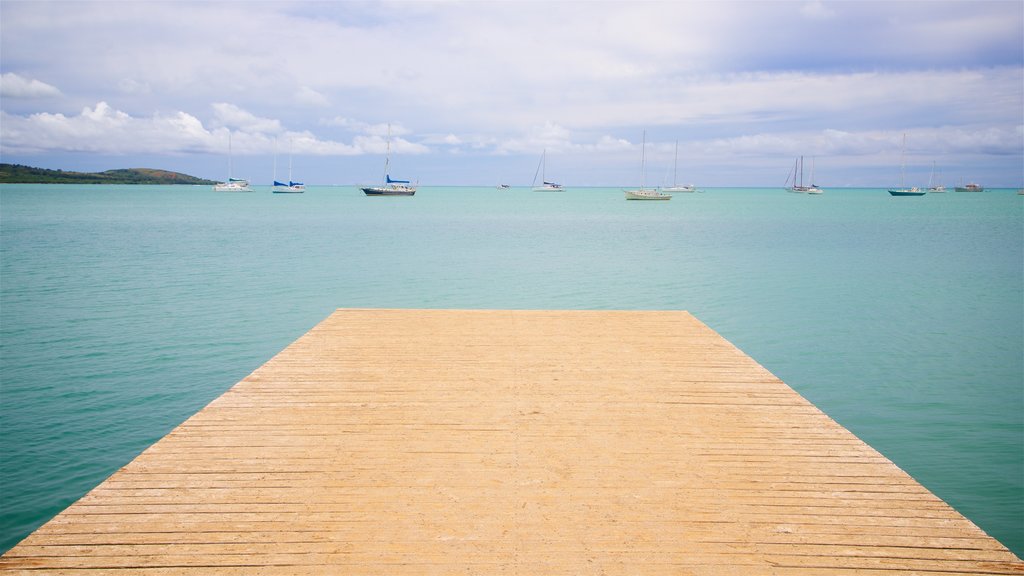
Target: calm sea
x=124, y=310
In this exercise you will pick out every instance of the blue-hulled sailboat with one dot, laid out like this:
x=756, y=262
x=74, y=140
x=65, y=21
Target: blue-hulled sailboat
x=903, y=190
x=391, y=187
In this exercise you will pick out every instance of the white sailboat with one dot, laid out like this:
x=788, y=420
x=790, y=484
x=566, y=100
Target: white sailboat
x=390, y=187
x=813, y=188
x=232, y=184
x=291, y=187
x=798, y=187
x=903, y=190
x=643, y=193
x=676, y=187
x=545, y=185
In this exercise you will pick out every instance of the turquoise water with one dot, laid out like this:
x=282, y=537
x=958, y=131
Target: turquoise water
x=124, y=310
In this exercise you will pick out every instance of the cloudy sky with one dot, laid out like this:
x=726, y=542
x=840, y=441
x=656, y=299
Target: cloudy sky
x=475, y=91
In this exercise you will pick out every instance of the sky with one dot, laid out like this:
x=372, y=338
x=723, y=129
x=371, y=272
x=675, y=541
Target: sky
x=473, y=93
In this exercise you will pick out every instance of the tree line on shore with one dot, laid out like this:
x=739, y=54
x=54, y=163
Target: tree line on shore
x=19, y=174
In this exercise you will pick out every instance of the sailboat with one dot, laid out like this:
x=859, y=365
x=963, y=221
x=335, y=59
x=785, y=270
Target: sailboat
x=903, y=190
x=970, y=187
x=675, y=187
x=390, y=187
x=545, y=185
x=645, y=193
x=232, y=184
x=798, y=167
x=291, y=187
x=934, y=187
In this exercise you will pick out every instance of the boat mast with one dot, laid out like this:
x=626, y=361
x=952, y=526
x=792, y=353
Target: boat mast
x=675, y=168
x=539, y=167
x=903, y=152
x=643, y=161
x=387, y=155
x=229, y=155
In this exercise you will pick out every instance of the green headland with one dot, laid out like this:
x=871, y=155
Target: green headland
x=18, y=174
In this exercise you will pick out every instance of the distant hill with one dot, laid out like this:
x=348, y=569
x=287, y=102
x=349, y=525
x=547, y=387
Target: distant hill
x=18, y=174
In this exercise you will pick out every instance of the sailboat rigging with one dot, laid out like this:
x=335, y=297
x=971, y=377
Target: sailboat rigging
x=643, y=193
x=232, y=184
x=545, y=185
x=798, y=169
x=291, y=187
x=903, y=190
x=932, y=187
x=390, y=187
x=676, y=187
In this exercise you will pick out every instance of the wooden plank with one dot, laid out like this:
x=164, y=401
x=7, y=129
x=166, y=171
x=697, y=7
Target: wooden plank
x=510, y=442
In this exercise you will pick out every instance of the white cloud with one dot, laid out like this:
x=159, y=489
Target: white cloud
x=383, y=129
x=611, y=144
x=233, y=117
x=105, y=130
x=307, y=96
x=14, y=86
x=101, y=129
x=450, y=140
x=343, y=122
x=816, y=10
x=547, y=136
x=132, y=86
x=307, y=143
x=380, y=129
x=514, y=79
x=376, y=144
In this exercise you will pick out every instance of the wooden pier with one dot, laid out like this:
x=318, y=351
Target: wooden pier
x=395, y=442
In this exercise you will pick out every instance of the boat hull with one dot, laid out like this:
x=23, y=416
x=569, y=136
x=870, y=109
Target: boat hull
x=907, y=192
x=646, y=195
x=970, y=188
x=373, y=191
x=679, y=189
x=231, y=188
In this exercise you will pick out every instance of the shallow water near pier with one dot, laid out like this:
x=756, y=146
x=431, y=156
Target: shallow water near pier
x=125, y=309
